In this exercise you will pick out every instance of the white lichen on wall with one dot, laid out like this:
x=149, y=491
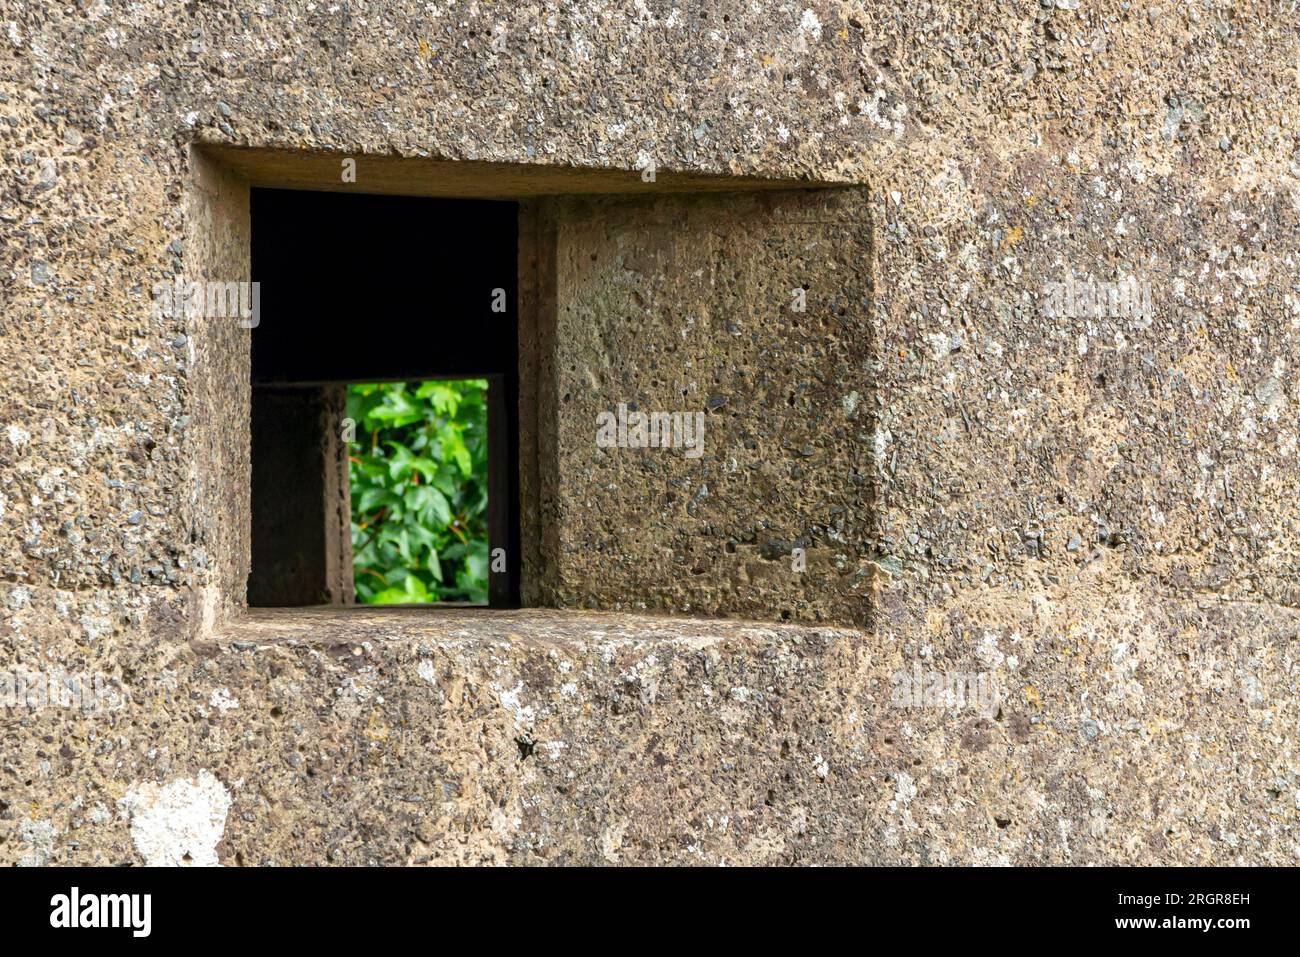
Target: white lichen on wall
x=179, y=823
x=38, y=839
x=222, y=700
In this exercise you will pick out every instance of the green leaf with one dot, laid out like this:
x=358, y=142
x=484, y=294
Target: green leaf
x=371, y=499
x=463, y=460
x=477, y=565
x=421, y=454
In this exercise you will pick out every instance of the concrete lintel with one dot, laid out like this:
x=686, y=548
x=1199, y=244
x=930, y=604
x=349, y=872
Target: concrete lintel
x=408, y=176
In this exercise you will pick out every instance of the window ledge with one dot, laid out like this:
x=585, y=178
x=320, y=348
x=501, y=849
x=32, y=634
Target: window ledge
x=353, y=625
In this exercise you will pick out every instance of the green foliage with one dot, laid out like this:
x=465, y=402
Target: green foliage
x=419, y=491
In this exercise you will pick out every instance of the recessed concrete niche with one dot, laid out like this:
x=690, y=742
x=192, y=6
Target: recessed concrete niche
x=743, y=309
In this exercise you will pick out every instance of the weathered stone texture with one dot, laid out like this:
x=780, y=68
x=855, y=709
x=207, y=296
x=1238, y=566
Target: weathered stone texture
x=1099, y=511
x=593, y=738
x=700, y=307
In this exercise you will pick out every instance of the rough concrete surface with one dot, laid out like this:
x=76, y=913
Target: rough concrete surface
x=1099, y=511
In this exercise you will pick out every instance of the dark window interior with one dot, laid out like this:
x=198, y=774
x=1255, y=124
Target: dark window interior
x=359, y=288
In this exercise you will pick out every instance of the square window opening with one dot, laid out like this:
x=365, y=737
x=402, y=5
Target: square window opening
x=385, y=395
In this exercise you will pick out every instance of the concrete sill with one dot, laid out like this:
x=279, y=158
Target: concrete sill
x=356, y=624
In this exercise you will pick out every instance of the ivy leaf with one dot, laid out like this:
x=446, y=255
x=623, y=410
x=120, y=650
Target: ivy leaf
x=412, y=592
x=462, y=459
x=421, y=458
x=397, y=409
x=443, y=399
x=476, y=564
x=430, y=505
x=371, y=499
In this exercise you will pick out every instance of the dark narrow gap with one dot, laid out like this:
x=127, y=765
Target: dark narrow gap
x=372, y=289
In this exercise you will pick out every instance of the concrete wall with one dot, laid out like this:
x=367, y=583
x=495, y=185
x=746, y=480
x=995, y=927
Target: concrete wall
x=301, y=524
x=749, y=314
x=1098, y=511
